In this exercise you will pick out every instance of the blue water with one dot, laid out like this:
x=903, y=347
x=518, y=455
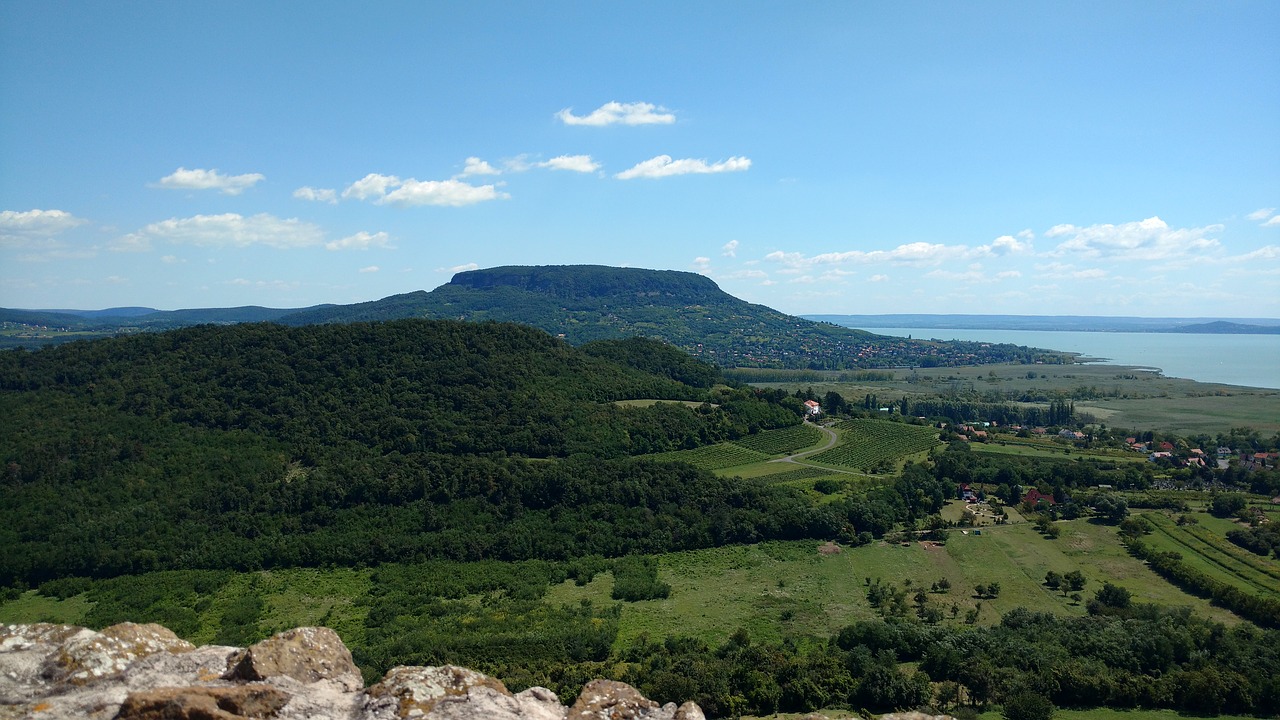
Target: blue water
x=1250, y=360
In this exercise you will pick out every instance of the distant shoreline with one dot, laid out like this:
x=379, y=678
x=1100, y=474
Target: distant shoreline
x=1057, y=323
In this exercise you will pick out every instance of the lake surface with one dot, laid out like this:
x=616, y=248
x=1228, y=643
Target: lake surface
x=1251, y=360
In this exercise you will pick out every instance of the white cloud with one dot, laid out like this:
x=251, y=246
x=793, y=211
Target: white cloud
x=36, y=223
x=476, y=166
x=730, y=249
x=226, y=230
x=360, y=241
x=1006, y=245
x=1273, y=222
x=464, y=268
x=370, y=269
x=372, y=185
x=1261, y=214
x=701, y=264
x=171, y=260
x=410, y=192
x=879, y=278
x=451, y=193
x=199, y=179
x=616, y=113
x=1008, y=274
x=576, y=163
x=1150, y=239
x=324, y=195
x=664, y=166
x=917, y=253
x=803, y=279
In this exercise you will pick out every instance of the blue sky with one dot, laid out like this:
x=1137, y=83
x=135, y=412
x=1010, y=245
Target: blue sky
x=1105, y=158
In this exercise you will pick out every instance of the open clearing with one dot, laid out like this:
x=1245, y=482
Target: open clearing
x=777, y=588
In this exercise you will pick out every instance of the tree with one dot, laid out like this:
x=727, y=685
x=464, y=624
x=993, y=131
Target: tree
x=1075, y=580
x=1027, y=705
x=1053, y=580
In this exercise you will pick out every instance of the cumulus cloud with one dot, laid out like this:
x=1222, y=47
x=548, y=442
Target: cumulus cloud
x=372, y=185
x=360, y=241
x=1006, y=245
x=1273, y=222
x=411, y=192
x=324, y=195
x=22, y=229
x=1147, y=239
x=664, y=166
x=730, y=249
x=1008, y=274
x=917, y=253
x=576, y=163
x=701, y=264
x=616, y=113
x=226, y=230
x=199, y=179
x=370, y=269
x=464, y=268
x=738, y=274
x=1261, y=214
x=476, y=166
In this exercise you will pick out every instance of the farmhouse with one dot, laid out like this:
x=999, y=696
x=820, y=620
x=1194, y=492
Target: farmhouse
x=812, y=407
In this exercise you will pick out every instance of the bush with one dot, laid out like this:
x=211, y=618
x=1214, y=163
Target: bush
x=636, y=578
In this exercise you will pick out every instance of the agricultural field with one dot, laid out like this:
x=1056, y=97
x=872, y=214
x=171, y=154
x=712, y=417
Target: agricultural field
x=750, y=450
x=1211, y=553
x=782, y=441
x=713, y=457
x=868, y=444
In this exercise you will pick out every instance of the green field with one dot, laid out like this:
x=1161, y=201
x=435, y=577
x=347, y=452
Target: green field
x=867, y=444
x=783, y=441
x=748, y=451
x=1210, y=553
x=717, y=591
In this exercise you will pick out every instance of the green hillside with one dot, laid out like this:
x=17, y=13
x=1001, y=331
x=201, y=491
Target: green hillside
x=259, y=445
x=590, y=302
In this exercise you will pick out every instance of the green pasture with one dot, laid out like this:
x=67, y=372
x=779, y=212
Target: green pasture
x=776, y=589
x=1215, y=556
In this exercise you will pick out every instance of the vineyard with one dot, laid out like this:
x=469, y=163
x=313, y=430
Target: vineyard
x=872, y=444
x=713, y=457
x=783, y=441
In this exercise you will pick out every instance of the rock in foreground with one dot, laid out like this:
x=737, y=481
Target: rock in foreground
x=145, y=672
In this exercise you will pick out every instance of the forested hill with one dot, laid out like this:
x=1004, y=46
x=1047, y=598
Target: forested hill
x=591, y=302
x=260, y=445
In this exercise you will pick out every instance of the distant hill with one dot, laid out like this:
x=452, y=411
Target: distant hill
x=1223, y=327
x=580, y=303
x=590, y=302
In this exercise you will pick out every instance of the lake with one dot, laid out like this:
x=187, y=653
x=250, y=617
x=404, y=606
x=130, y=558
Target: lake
x=1250, y=360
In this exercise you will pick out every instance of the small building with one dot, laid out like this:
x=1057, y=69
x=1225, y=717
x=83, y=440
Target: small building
x=1034, y=497
x=812, y=407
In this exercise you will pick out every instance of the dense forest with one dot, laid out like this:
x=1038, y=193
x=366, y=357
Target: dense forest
x=261, y=445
